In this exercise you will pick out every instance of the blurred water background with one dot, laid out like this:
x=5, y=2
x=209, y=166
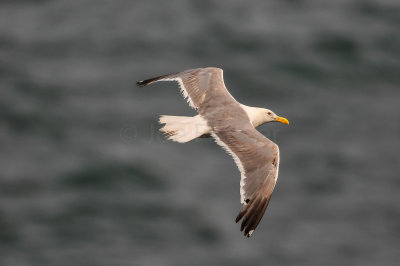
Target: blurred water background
x=87, y=179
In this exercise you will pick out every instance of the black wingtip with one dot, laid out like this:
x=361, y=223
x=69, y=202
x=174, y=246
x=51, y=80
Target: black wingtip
x=141, y=83
x=240, y=216
x=145, y=82
x=252, y=214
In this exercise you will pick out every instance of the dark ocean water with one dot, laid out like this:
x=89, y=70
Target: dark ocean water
x=86, y=179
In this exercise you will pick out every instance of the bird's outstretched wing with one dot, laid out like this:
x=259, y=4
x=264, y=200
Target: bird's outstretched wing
x=197, y=85
x=258, y=161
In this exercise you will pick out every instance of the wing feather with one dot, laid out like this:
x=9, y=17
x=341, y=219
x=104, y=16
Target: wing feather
x=195, y=84
x=257, y=159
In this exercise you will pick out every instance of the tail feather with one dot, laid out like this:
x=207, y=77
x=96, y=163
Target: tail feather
x=183, y=128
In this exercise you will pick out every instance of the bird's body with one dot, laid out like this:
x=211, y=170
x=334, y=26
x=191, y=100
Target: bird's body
x=232, y=125
x=183, y=128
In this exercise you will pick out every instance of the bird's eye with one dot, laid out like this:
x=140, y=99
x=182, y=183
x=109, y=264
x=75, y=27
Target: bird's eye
x=269, y=113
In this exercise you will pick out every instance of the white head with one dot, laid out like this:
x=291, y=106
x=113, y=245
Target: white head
x=270, y=116
x=259, y=116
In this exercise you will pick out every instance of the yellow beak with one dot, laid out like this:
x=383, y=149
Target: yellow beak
x=282, y=120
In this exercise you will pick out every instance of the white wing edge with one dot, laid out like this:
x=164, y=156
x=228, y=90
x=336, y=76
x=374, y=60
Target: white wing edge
x=182, y=89
x=238, y=164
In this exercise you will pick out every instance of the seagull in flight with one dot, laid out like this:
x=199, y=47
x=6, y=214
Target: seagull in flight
x=233, y=127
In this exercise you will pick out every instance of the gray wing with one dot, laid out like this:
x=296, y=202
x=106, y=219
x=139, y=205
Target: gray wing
x=197, y=85
x=258, y=161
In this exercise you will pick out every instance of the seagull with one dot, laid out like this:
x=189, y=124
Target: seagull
x=233, y=127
